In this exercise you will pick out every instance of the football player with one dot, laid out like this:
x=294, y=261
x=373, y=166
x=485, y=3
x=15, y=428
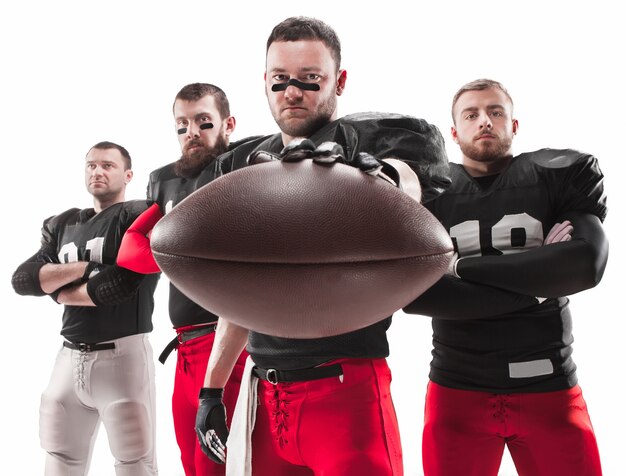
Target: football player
x=104, y=371
x=528, y=232
x=204, y=125
x=324, y=404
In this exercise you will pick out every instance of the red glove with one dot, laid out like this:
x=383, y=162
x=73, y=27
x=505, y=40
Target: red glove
x=135, y=253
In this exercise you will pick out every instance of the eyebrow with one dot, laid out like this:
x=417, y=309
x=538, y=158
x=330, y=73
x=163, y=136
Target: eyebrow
x=200, y=114
x=104, y=162
x=489, y=107
x=304, y=69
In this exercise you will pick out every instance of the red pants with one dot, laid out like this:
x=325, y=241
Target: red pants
x=546, y=433
x=191, y=364
x=327, y=427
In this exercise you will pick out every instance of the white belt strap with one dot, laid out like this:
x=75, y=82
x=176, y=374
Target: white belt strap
x=239, y=456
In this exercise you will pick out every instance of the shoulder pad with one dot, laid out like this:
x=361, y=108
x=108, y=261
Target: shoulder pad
x=577, y=177
x=162, y=173
x=64, y=218
x=135, y=207
x=246, y=140
x=557, y=158
x=237, y=155
x=385, y=119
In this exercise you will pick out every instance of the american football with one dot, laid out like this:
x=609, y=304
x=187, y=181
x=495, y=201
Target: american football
x=300, y=249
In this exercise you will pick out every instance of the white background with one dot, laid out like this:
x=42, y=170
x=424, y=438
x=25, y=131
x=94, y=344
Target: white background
x=75, y=73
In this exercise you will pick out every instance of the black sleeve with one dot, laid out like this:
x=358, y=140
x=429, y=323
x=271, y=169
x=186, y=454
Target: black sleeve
x=554, y=270
x=113, y=286
x=386, y=135
x=456, y=299
x=25, y=279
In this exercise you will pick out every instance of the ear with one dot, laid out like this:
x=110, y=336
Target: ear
x=341, y=81
x=455, y=137
x=230, y=125
x=515, y=126
x=129, y=176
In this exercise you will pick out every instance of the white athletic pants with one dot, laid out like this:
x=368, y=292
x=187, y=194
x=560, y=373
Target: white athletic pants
x=113, y=386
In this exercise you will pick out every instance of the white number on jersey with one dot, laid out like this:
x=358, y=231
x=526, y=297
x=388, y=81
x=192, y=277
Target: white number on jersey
x=93, y=251
x=503, y=235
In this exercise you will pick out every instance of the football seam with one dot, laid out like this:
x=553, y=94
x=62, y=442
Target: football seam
x=425, y=257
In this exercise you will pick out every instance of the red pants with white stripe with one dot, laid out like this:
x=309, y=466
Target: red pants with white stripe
x=193, y=357
x=328, y=426
x=547, y=434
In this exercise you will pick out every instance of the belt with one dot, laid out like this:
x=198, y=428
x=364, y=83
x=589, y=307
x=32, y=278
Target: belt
x=183, y=337
x=274, y=376
x=88, y=347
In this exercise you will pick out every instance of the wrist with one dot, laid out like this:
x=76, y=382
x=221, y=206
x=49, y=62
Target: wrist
x=455, y=267
x=206, y=392
x=91, y=270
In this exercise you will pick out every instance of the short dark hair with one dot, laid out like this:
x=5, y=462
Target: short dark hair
x=479, y=85
x=196, y=91
x=128, y=163
x=306, y=28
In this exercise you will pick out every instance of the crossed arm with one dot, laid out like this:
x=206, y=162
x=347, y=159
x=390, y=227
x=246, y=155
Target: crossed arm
x=80, y=283
x=497, y=285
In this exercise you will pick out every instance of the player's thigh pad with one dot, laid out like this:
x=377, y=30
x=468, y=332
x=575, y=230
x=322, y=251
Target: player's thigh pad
x=129, y=428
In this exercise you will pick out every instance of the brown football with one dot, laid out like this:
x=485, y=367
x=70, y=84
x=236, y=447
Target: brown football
x=300, y=249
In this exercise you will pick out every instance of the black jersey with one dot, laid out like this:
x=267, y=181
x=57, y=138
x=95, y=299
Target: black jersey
x=528, y=350
x=83, y=235
x=167, y=190
x=412, y=140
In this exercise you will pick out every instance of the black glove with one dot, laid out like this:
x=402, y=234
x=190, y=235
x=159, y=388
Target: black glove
x=299, y=149
x=91, y=270
x=328, y=153
x=377, y=168
x=113, y=285
x=211, y=424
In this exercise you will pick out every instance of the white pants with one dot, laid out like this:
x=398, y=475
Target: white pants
x=113, y=386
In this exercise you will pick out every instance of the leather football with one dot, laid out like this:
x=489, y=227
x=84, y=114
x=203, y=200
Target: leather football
x=301, y=249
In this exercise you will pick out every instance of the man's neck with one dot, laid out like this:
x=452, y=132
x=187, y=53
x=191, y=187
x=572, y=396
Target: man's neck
x=99, y=205
x=477, y=168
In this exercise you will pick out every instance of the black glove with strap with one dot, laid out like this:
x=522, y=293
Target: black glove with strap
x=91, y=270
x=211, y=424
x=328, y=153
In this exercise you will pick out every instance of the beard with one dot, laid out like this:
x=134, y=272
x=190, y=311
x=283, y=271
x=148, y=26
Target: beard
x=306, y=127
x=191, y=163
x=487, y=151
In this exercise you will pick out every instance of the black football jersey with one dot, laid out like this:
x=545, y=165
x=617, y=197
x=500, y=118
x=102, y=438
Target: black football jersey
x=167, y=190
x=527, y=350
x=383, y=135
x=83, y=235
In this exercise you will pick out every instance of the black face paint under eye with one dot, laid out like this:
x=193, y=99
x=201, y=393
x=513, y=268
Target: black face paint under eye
x=297, y=84
x=206, y=125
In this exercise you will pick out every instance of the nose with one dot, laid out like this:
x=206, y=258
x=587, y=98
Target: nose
x=96, y=171
x=293, y=93
x=193, y=130
x=485, y=121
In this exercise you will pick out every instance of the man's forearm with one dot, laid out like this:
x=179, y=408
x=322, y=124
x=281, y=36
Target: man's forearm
x=230, y=341
x=75, y=296
x=54, y=276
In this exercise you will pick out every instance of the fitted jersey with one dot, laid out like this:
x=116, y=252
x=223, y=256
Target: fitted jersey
x=84, y=235
x=530, y=349
x=167, y=190
x=412, y=140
